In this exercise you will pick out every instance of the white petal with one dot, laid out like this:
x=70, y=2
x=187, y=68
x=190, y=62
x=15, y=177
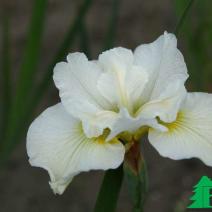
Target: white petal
x=77, y=83
x=56, y=142
x=122, y=83
x=163, y=62
x=116, y=59
x=191, y=134
x=95, y=124
x=166, y=105
x=167, y=73
x=124, y=122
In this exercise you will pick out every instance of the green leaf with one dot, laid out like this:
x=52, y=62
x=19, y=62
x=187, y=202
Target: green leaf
x=31, y=57
x=112, y=25
x=6, y=76
x=27, y=71
x=84, y=40
x=62, y=52
x=183, y=16
x=109, y=192
x=136, y=176
x=197, y=37
x=17, y=130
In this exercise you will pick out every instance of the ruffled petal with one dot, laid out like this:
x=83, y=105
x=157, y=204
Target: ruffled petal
x=77, y=84
x=167, y=73
x=123, y=82
x=165, y=106
x=77, y=81
x=191, y=134
x=56, y=142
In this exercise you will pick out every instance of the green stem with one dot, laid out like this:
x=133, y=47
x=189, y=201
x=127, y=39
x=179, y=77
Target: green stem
x=183, y=17
x=136, y=176
x=109, y=192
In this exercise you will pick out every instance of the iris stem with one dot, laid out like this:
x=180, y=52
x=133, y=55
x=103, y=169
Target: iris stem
x=136, y=176
x=183, y=17
x=109, y=192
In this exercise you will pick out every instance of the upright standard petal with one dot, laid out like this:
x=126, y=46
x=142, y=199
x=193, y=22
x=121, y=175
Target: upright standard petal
x=77, y=84
x=77, y=79
x=166, y=71
x=122, y=82
x=56, y=142
x=191, y=134
x=166, y=105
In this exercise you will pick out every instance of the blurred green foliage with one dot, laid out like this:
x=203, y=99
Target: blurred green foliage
x=27, y=94
x=196, y=32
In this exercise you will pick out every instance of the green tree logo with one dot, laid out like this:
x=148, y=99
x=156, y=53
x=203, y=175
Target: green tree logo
x=202, y=194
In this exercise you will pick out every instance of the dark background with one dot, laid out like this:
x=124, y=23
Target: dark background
x=24, y=188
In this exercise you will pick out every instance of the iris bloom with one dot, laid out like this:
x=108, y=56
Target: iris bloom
x=114, y=99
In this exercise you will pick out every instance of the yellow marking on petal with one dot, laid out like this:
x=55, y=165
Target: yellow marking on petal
x=103, y=141
x=100, y=141
x=114, y=141
x=176, y=124
x=102, y=138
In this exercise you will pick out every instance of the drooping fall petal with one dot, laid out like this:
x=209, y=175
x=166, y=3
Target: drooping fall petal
x=56, y=142
x=191, y=134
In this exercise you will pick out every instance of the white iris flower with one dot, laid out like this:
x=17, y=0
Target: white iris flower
x=118, y=97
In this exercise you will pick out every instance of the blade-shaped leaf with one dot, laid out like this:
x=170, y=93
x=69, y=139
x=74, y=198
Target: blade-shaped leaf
x=197, y=36
x=111, y=31
x=5, y=76
x=17, y=130
x=27, y=71
x=183, y=16
x=84, y=40
x=62, y=52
